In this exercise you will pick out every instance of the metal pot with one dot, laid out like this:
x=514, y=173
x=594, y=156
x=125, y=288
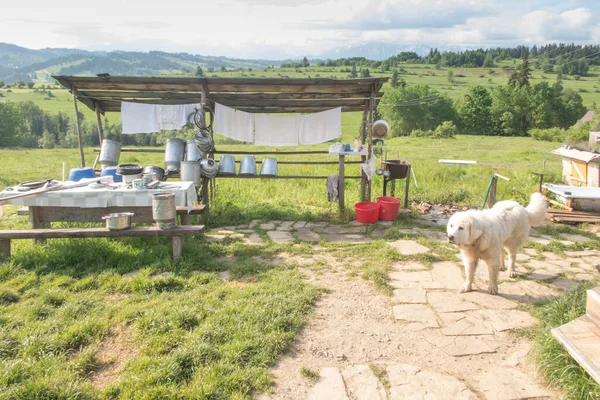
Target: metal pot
x=190, y=171
x=248, y=165
x=227, y=165
x=109, y=153
x=192, y=152
x=380, y=128
x=208, y=167
x=268, y=167
x=174, y=153
x=118, y=221
x=160, y=173
x=163, y=210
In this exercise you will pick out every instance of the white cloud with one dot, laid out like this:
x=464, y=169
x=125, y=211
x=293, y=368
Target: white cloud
x=284, y=28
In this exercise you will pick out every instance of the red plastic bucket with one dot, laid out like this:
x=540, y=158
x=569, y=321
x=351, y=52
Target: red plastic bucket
x=367, y=212
x=389, y=208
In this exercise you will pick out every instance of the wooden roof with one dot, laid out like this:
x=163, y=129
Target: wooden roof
x=260, y=95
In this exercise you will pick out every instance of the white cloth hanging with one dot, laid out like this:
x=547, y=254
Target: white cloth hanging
x=173, y=117
x=276, y=130
x=320, y=127
x=149, y=118
x=234, y=124
x=138, y=118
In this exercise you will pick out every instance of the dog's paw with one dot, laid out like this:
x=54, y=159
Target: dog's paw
x=512, y=274
x=502, y=268
x=493, y=289
x=465, y=288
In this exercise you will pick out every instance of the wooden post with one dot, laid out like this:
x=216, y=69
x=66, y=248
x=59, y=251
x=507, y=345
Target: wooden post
x=492, y=199
x=34, y=221
x=409, y=172
x=341, y=183
x=4, y=248
x=79, y=132
x=99, y=123
x=363, y=134
x=370, y=140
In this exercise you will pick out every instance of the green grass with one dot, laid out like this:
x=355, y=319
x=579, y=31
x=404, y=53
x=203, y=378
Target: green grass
x=555, y=364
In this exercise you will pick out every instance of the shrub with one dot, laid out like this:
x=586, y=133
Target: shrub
x=548, y=135
x=446, y=129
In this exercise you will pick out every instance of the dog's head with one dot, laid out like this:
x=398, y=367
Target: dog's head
x=463, y=229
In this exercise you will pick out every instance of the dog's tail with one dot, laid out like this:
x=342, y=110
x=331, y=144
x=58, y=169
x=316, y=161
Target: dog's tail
x=537, y=209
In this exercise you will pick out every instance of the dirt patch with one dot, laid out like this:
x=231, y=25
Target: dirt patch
x=115, y=351
x=353, y=324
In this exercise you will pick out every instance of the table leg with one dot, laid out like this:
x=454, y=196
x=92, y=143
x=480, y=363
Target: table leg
x=341, y=182
x=177, y=246
x=34, y=222
x=4, y=248
x=406, y=187
x=185, y=219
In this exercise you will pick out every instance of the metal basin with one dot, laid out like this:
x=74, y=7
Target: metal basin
x=227, y=166
x=268, y=167
x=109, y=153
x=160, y=173
x=118, y=221
x=248, y=165
x=398, y=169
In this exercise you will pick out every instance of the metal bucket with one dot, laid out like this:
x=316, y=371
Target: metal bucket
x=248, y=165
x=160, y=173
x=227, y=165
x=268, y=167
x=192, y=152
x=190, y=171
x=163, y=210
x=174, y=153
x=109, y=153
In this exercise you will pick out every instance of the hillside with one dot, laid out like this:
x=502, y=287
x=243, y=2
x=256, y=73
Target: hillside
x=19, y=63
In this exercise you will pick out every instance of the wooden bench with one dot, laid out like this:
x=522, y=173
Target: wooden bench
x=175, y=234
x=182, y=212
x=462, y=163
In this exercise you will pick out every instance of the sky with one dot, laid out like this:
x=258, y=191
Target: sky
x=278, y=29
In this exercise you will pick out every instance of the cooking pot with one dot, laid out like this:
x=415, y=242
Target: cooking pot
x=192, y=152
x=227, y=165
x=174, y=153
x=248, y=165
x=268, y=167
x=208, y=167
x=130, y=172
x=109, y=153
x=160, y=173
x=190, y=171
x=118, y=221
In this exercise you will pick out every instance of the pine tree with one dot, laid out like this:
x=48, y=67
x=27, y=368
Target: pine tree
x=394, y=81
x=353, y=73
x=199, y=72
x=522, y=75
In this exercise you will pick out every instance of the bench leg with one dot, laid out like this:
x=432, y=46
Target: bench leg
x=34, y=221
x=177, y=246
x=4, y=248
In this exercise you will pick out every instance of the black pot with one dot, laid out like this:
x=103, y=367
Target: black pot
x=129, y=169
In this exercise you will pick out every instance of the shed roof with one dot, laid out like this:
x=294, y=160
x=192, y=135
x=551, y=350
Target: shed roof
x=581, y=155
x=262, y=95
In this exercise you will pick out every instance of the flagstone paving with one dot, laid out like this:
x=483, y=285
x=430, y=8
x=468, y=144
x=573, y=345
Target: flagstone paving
x=426, y=301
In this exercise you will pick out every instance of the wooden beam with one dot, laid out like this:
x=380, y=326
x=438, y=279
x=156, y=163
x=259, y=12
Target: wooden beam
x=99, y=123
x=136, y=231
x=116, y=106
x=78, y=125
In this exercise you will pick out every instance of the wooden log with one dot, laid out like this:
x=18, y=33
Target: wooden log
x=78, y=125
x=80, y=233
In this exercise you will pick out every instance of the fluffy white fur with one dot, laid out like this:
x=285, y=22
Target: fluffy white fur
x=482, y=235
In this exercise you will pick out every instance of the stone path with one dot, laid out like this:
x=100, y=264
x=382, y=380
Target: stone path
x=426, y=301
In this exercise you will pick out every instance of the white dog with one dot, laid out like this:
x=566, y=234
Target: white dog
x=484, y=234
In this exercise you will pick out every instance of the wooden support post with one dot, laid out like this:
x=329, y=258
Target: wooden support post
x=185, y=219
x=99, y=123
x=96, y=161
x=341, y=183
x=408, y=173
x=78, y=125
x=34, y=221
x=363, y=134
x=540, y=180
x=4, y=248
x=177, y=246
x=370, y=139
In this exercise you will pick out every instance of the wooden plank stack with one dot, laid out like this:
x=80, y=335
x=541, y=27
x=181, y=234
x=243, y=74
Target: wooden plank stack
x=572, y=217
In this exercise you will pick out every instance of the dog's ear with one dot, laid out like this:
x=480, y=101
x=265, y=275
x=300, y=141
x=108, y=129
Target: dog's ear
x=474, y=230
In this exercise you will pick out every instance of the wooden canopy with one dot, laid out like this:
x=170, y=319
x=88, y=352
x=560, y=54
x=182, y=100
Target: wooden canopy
x=259, y=95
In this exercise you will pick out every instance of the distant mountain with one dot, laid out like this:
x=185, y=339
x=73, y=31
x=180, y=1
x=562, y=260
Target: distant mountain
x=21, y=63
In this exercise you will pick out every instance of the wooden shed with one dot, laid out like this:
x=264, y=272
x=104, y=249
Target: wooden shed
x=580, y=167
